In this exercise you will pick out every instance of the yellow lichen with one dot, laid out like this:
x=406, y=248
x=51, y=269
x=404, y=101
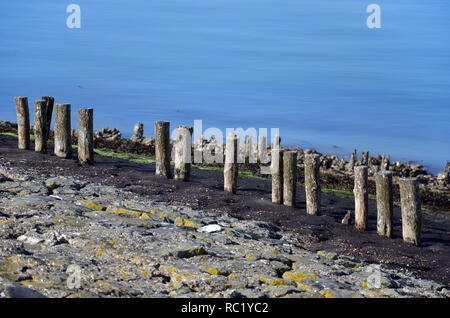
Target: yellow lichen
x=93, y=206
x=213, y=271
x=323, y=254
x=167, y=268
x=186, y=223
x=299, y=276
x=326, y=294
x=303, y=286
x=25, y=283
x=275, y=281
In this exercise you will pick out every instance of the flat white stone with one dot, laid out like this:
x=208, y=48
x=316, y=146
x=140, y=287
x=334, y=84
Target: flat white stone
x=210, y=228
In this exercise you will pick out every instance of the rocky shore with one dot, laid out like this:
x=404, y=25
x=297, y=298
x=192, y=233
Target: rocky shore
x=66, y=237
x=116, y=230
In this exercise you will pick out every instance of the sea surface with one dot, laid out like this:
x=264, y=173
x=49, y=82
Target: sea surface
x=311, y=68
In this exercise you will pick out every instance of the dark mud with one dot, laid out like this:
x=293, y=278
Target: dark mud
x=253, y=201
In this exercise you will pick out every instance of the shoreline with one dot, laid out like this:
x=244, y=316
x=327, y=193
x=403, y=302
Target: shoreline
x=342, y=152
x=336, y=173
x=132, y=243
x=252, y=203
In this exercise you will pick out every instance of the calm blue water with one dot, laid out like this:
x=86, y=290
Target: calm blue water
x=309, y=67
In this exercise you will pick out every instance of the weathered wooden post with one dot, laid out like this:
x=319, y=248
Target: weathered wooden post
x=183, y=146
x=385, y=203
x=289, y=177
x=263, y=157
x=277, y=175
x=352, y=160
x=63, y=131
x=411, y=210
x=198, y=150
x=312, y=183
x=251, y=155
x=276, y=142
x=361, y=193
x=162, y=149
x=40, y=126
x=230, y=171
x=86, y=135
x=23, y=122
x=50, y=101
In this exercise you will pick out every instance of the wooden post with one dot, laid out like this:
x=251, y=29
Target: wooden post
x=23, y=122
x=411, y=210
x=277, y=175
x=86, y=135
x=50, y=101
x=63, y=132
x=353, y=159
x=361, y=197
x=162, y=149
x=312, y=183
x=250, y=153
x=40, y=126
x=230, y=171
x=198, y=150
x=183, y=151
x=385, y=203
x=289, y=177
x=263, y=157
x=276, y=142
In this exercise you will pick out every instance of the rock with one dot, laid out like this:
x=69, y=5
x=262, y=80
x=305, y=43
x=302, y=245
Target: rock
x=31, y=238
x=443, y=178
x=57, y=182
x=125, y=245
x=6, y=126
x=22, y=292
x=365, y=158
x=347, y=218
x=4, y=178
x=108, y=134
x=138, y=134
x=210, y=228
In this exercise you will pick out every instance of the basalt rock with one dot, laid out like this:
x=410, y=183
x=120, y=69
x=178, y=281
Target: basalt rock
x=108, y=134
x=100, y=241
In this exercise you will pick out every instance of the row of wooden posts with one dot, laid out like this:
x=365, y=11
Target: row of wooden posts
x=283, y=166
x=43, y=109
x=284, y=181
